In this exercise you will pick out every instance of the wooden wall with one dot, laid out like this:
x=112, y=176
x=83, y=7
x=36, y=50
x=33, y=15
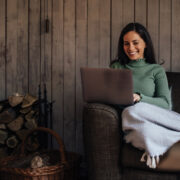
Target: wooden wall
x=81, y=33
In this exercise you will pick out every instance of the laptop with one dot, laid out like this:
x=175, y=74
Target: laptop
x=106, y=85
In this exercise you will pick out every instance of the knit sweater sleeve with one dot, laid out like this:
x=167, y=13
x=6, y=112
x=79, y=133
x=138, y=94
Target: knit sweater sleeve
x=161, y=96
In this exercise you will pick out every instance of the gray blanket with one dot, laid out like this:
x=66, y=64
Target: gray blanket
x=152, y=129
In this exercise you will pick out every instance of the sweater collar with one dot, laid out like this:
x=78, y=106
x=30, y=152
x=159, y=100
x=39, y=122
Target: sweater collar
x=137, y=63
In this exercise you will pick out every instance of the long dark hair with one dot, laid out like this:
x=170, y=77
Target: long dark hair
x=143, y=33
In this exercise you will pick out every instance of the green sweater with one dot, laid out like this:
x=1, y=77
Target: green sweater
x=149, y=81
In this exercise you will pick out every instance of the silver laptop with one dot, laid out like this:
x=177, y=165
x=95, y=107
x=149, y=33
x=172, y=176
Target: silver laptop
x=106, y=85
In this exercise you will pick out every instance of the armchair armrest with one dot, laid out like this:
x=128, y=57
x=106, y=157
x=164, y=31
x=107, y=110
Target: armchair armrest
x=102, y=139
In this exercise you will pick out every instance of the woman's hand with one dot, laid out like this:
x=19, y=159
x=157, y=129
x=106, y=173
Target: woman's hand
x=136, y=97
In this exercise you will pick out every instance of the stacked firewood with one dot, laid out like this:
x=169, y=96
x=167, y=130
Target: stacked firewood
x=18, y=115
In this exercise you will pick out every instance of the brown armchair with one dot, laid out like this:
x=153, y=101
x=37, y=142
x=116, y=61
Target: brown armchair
x=110, y=158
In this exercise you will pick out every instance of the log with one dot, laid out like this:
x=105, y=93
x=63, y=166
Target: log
x=37, y=162
x=15, y=99
x=30, y=115
x=2, y=126
x=22, y=133
x=26, y=110
x=7, y=116
x=46, y=159
x=33, y=160
x=22, y=162
x=31, y=124
x=3, y=136
x=12, y=142
x=28, y=101
x=16, y=124
x=41, y=160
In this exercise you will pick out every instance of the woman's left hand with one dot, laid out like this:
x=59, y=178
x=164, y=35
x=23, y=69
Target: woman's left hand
x=136, y=97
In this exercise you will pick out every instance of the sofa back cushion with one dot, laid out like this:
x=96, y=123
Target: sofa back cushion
x=174, y=84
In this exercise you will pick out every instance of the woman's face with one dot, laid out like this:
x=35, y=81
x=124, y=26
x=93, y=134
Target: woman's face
x=134, y=45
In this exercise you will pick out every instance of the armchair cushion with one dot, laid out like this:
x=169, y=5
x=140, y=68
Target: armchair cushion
x=170, y=161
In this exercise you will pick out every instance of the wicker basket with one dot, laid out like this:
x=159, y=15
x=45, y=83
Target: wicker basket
x=59, y=171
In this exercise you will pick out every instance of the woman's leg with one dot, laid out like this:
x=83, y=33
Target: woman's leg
x=150, y=128
x=157, y=115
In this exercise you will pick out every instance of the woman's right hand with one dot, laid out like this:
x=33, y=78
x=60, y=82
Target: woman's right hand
x=136, y=97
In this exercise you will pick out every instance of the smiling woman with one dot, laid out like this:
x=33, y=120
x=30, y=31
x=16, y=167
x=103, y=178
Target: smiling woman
x=134, y=46
x=136, y=52
x=144, y=129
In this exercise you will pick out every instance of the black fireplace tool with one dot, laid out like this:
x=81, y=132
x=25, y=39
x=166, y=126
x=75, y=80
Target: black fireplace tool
x=45, y=117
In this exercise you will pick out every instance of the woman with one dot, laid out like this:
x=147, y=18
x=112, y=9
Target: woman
x=149, y=124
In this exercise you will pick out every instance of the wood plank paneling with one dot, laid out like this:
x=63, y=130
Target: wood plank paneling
x=153, y=24
x=2, y=48
x=165, y=33
x=46, y=50
x=104, y=50
x=93, y=33
x=140, y=11
x=128, y=12
x=57, y=67
x=11, y=73
x=22, y=46
x=116, y=25
x=43, y=11
x=34, y=46
x=69, y=74
x=175, y=36
x=81, y=61
x=17, y=46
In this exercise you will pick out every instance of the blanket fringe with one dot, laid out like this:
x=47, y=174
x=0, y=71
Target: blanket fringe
x=151, y=161
x=143, y=157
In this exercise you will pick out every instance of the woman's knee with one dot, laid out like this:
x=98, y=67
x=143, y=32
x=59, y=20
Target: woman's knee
x=131, y=111
x=127, y=112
